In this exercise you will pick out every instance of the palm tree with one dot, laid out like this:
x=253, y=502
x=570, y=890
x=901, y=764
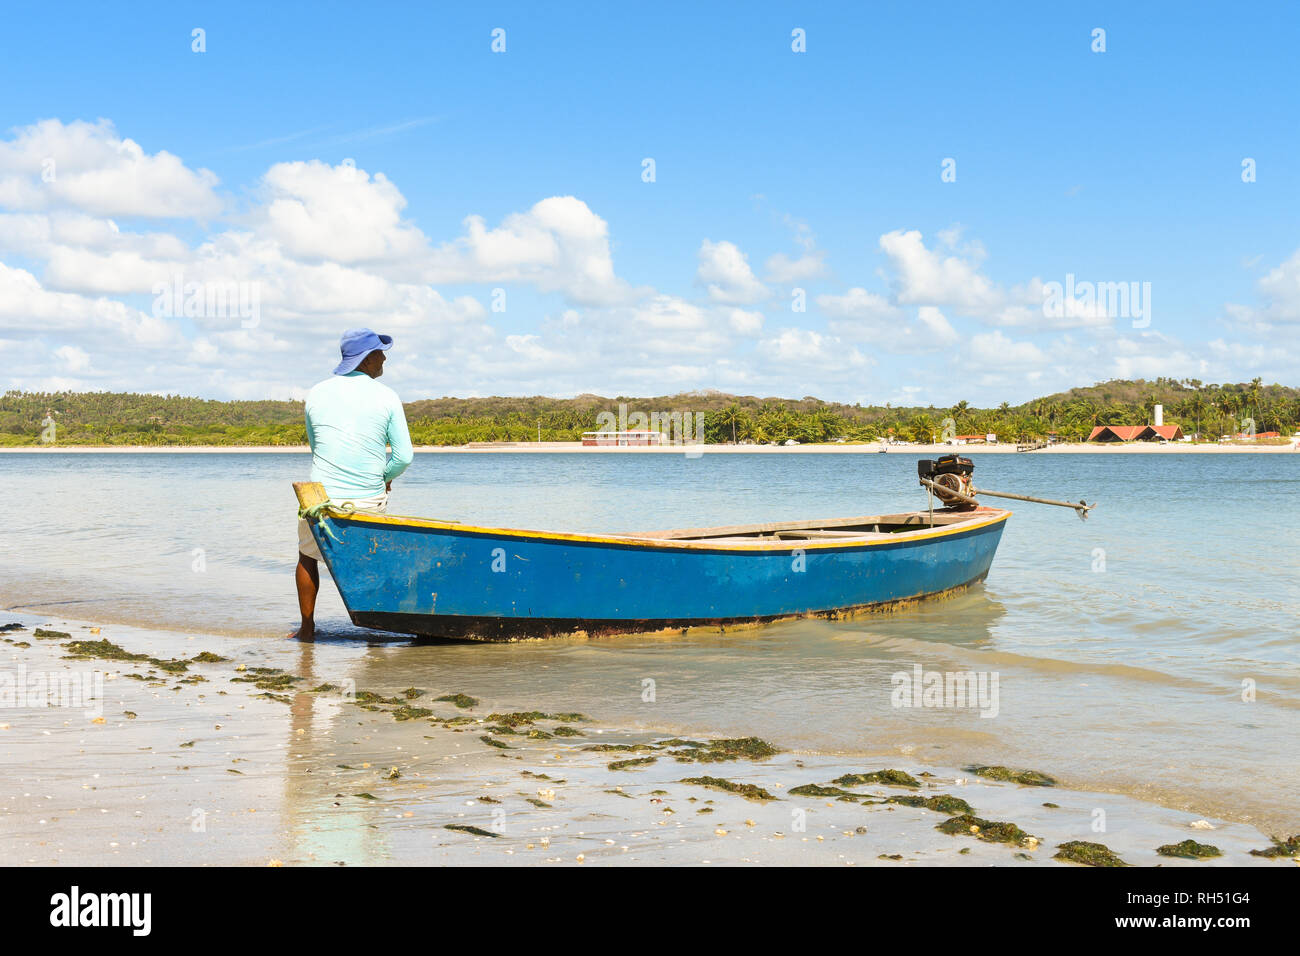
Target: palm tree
x=730, y=416
x=1197, y=404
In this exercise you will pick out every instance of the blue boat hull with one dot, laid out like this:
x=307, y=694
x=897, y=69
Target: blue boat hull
x=445, y=580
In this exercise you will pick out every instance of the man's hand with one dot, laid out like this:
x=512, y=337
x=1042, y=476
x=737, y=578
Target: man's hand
x=388, y=486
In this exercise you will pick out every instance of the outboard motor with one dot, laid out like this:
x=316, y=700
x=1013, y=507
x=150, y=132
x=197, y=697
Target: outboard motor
x=951, y=473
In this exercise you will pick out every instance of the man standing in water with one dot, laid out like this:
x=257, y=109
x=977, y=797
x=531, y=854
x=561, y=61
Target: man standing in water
x=352, y=421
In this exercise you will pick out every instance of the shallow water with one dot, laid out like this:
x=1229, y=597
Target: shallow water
x=1120, y=644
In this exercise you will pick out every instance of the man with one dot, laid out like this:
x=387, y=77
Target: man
x=352, y=420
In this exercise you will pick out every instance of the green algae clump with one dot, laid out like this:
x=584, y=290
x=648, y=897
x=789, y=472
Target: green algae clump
x=41, y=634
x=816, y=790
x=1280, y=848
x=105, y=650
x=522, y=718
x=890, y=778
x=718, y=751
x=990, y=831
x=466, y=828
x=1027, y=778
x=1189, y=850
x=462, y=701
x=268, y=681
x=1088, y=854
x=493, y=742
x=632, y=762
x=941, y=802
x=746, y=790
x=406, y=712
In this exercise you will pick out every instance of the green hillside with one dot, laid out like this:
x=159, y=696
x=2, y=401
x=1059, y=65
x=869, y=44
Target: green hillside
x=114, y=418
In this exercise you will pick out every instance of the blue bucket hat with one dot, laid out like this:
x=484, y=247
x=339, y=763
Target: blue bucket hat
x=356, y=344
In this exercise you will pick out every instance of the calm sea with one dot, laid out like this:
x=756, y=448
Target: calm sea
x=1126, y=647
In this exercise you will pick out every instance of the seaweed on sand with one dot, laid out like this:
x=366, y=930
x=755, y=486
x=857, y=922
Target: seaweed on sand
x=717, y=751
x=466, y=828
x=493, y=742
x=406, y=712
x=108, y=651
x=41, y=634
x=696, y=751
x=1089, y=854
x=941, y=802
x=632, y=762
x=990, y=831
x=1280, y=848
x=463, y=701
x=747, y=790
x=522, y=718
x=268, y=681
x=889, y=778
x=365, y=697
x=1027, y=778
x=104, y=650
x=1189, y=850
x=816, y=790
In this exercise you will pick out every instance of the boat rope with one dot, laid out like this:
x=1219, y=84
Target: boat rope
x=318, y=512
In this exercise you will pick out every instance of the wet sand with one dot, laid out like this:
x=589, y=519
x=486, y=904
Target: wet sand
x=173, y=770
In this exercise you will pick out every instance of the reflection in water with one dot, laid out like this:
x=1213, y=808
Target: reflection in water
x=316, y=827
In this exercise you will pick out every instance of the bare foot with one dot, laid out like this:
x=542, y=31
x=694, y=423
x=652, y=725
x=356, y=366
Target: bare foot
x=305, y=632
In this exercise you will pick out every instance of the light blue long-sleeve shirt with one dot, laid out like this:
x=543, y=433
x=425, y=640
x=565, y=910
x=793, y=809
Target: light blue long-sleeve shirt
x=350, y=421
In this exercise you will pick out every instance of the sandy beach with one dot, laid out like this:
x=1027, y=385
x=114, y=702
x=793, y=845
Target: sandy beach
x=273, y=753
x=1064, y=448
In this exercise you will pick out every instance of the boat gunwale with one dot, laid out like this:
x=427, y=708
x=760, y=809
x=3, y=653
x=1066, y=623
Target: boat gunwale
x=986, y=518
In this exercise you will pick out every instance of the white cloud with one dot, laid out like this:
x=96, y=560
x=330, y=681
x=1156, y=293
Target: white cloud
x=781, y=268
x=808, y=347
x=558, y=245
x=923, y=277
x=858, y=304
x=1279, y=292
x=317, y=212
x=1035, y=305
x=993, y=350
x=725, y=270
x=745, y=322
x=88, y=167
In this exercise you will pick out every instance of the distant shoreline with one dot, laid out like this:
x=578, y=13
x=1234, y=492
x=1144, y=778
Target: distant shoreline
x=1064, y=448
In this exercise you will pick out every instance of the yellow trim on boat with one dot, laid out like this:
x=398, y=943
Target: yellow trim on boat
x=370, y=517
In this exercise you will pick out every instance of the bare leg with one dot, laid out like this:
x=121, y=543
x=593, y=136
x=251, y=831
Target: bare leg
x=307, y=577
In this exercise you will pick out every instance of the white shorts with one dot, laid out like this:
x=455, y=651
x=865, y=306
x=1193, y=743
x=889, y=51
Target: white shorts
x=307, y=542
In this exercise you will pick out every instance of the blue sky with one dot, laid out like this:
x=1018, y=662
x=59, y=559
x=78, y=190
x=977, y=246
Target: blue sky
x=1115, y=166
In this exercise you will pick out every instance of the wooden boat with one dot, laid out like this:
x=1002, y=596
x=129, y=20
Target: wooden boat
x=444, y=579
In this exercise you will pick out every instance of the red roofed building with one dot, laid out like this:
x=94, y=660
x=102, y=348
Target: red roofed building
x=1136, y=433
